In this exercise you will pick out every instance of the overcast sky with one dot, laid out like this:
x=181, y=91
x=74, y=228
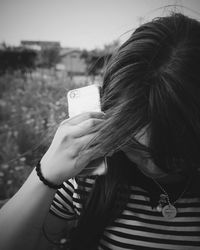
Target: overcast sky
x=80, y=23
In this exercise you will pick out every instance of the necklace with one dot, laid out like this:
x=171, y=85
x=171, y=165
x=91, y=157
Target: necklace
x=168, y=209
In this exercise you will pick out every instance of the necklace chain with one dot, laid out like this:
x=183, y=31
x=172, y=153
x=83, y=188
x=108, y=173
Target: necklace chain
x=167, y=196
x=169, y=211
x=167, y=208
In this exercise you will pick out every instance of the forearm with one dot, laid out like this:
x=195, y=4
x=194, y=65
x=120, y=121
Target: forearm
x=21, y=218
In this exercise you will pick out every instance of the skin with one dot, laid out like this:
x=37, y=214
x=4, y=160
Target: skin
x=25, y=213
x=72, y=135
x=23, y=223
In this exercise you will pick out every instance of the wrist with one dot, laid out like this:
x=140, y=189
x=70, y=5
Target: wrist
x=46, y=180
x=51, y=171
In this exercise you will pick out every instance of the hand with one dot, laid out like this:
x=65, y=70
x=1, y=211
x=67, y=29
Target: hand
x=63, y=159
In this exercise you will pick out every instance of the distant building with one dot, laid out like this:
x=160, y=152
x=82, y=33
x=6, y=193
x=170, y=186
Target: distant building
x=40, y=45
x=71, y=61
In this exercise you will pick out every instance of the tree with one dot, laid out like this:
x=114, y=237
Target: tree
x=49, y=57
x=17, y=58
x=97, y=58
x=95, y=61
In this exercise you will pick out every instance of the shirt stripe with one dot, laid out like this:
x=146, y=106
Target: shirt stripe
x=140, y=226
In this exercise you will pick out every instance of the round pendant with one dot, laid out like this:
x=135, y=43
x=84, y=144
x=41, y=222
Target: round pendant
x=169, y=211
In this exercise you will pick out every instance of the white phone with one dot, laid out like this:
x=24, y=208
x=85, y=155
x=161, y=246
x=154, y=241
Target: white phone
x=87, y=99
x=84, y=99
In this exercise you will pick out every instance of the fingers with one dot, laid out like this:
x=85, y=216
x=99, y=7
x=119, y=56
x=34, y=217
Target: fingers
x=86, y=127
x=83, y=124
x=82, y=117
x=80, y=132
x=82, y=143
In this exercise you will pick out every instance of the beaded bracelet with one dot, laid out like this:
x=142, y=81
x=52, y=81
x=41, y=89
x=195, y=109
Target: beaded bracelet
x=45, y=181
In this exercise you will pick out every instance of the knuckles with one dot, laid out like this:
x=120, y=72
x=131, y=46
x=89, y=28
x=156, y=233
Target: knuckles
x=66, y=133
x=88, y=115
x=91, y=123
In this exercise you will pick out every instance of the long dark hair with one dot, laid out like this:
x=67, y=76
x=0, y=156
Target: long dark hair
x=152, y=82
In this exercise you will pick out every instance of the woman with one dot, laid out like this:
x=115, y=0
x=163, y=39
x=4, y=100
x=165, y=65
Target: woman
x=149, y=196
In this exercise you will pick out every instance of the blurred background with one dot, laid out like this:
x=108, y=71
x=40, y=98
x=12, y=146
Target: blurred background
x=48, y=47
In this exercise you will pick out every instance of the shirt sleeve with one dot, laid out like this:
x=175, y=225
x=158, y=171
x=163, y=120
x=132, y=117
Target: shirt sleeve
x=62, y=205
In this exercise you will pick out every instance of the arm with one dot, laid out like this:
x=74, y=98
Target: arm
x=23, y=215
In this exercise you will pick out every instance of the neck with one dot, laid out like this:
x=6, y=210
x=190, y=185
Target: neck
x=149, y=169
x=171, y=178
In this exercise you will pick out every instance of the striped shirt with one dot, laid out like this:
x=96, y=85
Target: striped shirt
x=140, y=226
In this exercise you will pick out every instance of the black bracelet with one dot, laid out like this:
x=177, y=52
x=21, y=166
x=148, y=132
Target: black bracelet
x=45, y=181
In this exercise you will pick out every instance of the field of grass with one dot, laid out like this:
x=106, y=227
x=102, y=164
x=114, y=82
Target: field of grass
x=31, y=107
